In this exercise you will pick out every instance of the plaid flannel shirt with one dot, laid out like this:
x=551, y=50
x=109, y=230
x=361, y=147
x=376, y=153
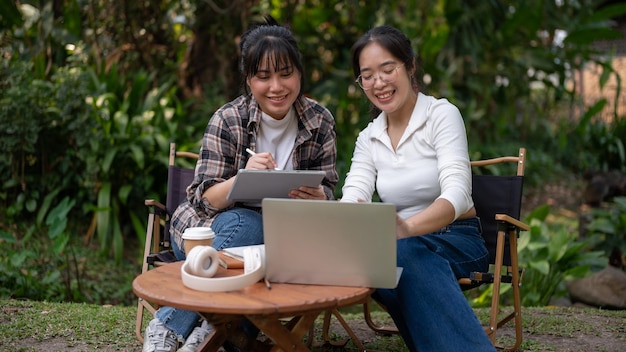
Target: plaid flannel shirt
x=231, y=130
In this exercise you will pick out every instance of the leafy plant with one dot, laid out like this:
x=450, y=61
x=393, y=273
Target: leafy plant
x=24, y=113
x=46, y=263
x=29, y=269
x=607, y=229
x=551, y=255
x=131, y=122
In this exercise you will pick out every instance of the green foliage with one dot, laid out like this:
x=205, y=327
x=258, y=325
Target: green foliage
x=24, y=114
x=27, y=271
x=56, y=221
x=130, y=123
x=23, y=274
x=44, y=126
x=9, y=15
x=45, y=264
x=601, y=143
x=91, y=137
x=607, y=229
x=20, y=279
x=551, y=255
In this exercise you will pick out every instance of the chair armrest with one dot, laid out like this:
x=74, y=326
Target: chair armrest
x=154, y=203
x=512, y=221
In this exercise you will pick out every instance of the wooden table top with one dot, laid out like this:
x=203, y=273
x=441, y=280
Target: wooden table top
x=163, y=285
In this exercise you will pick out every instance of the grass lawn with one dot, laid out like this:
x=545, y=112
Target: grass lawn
x=44, y=326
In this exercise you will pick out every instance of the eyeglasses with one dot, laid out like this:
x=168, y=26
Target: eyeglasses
x=386, y=75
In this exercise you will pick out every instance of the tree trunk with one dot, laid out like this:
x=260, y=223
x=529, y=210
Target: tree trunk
x=211, y=62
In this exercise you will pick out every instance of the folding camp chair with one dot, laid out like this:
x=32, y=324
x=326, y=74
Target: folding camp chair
x=498, y=202
x=157, y=250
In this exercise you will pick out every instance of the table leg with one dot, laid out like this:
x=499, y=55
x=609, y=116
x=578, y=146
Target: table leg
x=342, y=343
x=285, y=339
x=222, y=328
x=214, y=341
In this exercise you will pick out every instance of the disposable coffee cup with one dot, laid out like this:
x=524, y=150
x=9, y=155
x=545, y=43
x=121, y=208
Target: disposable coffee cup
x=197, y=236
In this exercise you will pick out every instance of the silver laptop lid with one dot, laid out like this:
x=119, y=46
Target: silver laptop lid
x=330, y=243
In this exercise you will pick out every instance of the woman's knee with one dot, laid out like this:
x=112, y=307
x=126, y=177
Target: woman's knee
x=238, y=227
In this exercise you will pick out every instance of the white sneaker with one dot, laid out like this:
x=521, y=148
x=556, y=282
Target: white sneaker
x=197, y=337
x=158, y=338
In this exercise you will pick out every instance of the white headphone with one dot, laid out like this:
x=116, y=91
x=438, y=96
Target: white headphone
x=203, y=261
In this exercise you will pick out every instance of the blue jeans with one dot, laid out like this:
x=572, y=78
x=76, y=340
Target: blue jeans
x=233, y=228
x=428, y=305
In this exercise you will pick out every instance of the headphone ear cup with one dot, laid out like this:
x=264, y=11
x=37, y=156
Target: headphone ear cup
x=191, y=260
x=203, y=261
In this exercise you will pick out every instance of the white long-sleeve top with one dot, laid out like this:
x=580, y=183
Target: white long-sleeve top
x=431, y=161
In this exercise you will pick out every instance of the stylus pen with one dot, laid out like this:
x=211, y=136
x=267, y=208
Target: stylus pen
x=251, y=152
x=267, y=283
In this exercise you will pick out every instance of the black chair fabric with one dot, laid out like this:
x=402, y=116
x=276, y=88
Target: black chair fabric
x=496, y=195
x=178, y=178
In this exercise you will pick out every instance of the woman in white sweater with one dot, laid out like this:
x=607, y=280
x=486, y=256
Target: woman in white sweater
x=414, y=154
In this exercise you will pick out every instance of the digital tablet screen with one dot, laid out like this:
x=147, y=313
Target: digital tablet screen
x=254, y=185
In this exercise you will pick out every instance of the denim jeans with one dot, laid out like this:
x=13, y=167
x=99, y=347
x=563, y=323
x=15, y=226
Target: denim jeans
x=233, y=228
x=428, y=305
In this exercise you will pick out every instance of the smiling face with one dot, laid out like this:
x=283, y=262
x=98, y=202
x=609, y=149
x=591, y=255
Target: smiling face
x=275, y=86
x=395, y=96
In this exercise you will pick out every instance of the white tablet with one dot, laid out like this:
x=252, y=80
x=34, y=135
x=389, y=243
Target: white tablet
x=254, y=185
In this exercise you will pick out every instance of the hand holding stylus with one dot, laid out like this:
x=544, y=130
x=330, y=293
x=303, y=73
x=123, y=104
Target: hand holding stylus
x=265, y=159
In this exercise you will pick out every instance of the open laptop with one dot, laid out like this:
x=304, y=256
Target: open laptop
x=330, y=243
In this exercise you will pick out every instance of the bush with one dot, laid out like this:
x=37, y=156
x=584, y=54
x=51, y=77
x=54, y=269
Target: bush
x=36, y=267
x=607, y=229
x=552, y=254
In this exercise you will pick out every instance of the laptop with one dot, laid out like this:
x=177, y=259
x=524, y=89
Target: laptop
x=330, y=243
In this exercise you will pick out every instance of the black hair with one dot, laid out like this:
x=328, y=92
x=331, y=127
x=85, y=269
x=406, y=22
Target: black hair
x=270, y=39
x=397, y=43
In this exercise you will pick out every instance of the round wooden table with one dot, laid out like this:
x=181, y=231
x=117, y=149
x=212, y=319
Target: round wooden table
x=262, y=306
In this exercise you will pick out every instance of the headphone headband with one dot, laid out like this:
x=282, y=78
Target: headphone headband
x=203, y=261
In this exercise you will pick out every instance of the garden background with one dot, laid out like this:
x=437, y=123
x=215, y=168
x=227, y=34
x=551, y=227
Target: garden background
x=92, y=92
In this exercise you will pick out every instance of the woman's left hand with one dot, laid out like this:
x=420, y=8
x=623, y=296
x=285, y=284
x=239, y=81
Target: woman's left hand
x=304, y=192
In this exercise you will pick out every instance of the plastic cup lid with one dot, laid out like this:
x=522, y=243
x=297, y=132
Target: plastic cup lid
x=198, y=233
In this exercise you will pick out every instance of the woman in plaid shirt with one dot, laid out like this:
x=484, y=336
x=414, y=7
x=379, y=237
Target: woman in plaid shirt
x=286, y=130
